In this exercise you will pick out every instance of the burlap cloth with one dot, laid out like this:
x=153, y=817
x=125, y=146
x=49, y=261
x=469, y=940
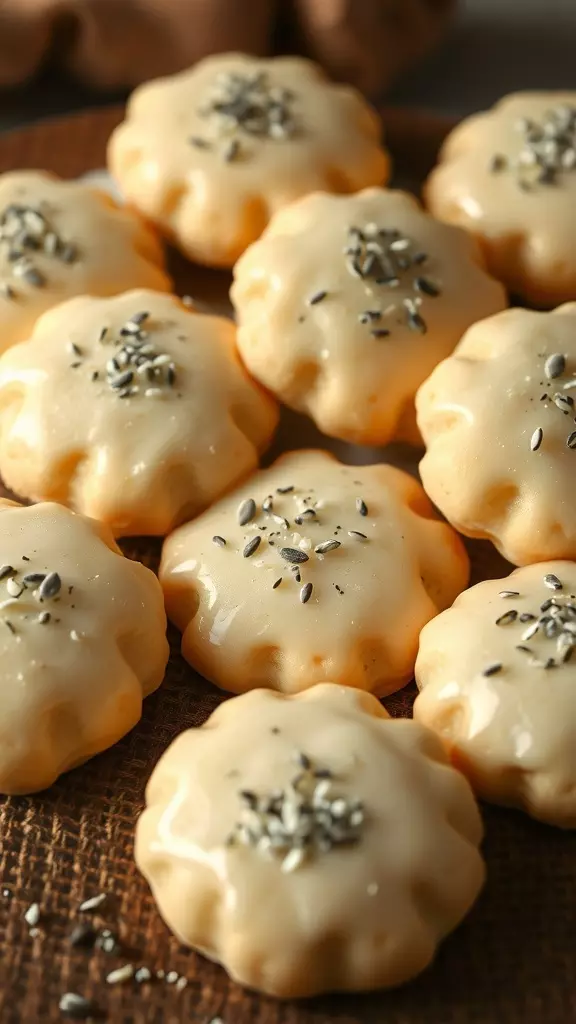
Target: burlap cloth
x=512, y=962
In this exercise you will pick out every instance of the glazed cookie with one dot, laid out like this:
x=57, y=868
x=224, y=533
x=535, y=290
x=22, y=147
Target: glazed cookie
x=62, y=238
x=312, y=570
x=211, y=153
x=509, y=177
x=498, y=684
x=347, y=303
x=498, y=421
x=82, y=637
x=310, y=843
x=133, y=410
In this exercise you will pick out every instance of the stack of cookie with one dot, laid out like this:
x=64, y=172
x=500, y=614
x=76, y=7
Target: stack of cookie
x=301, y=837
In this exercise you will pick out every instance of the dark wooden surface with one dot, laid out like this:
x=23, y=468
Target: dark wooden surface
x=512, y=962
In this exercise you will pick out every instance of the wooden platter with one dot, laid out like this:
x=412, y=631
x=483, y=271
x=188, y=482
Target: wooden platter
x=512, y=962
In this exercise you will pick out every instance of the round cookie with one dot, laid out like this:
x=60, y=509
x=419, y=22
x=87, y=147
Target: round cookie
x=62, y=238
x=133, y=410
x=82, y=641
x=498, y=682
x=347, y=303
x=311, y=570
x=509, y=176
x=498, y=421
x=211, y=153
x=310, y=843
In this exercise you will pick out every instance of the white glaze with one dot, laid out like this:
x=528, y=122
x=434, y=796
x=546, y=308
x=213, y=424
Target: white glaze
x=357, y=916
x=72, y=686
x=528, y=236
x=144, y=463
x=211, y=208
x=320, y=358
x=478, y=412
x=115, y=250
x=513, y=733
x=239, y=632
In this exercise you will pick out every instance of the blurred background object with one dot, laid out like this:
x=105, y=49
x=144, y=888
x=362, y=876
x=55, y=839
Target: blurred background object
x=61, y=55
x=114, y=44
x=87, y=50
x=495, y=47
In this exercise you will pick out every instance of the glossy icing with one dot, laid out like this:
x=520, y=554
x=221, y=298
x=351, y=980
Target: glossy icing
x=389, y=572
x=78, y=659
x=214, y=204
x=499, y=686
x=141, y=462
x=348, y=345
x=480, y=413
x=524, y=219
x=358, y=915
x=94, y=247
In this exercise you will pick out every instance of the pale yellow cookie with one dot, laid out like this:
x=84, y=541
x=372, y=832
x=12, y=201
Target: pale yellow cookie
x=63, y=238
x=347, y=303
x=211, y=153
x=311, y=570
x=310, y=843
x=133, y=410
x=509, y=176
x=82, y=641
x=498, y=679
x=499, y=424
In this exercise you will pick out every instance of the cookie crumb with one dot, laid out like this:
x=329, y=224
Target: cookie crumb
x=32, y=915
